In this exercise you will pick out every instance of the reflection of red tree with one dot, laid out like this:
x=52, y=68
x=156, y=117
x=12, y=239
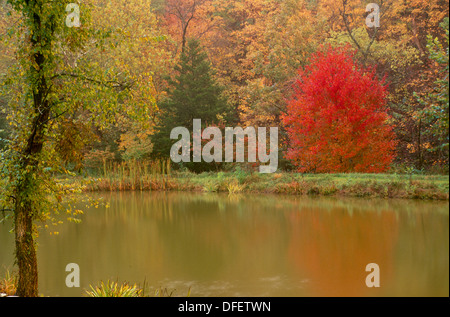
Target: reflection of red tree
x=332, y=249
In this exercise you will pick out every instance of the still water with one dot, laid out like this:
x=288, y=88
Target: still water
x=261, y=245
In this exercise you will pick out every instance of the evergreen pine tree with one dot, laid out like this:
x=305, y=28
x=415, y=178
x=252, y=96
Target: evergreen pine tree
x=194, y=95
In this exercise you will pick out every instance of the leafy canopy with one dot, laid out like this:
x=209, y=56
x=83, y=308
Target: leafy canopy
x=336, y=119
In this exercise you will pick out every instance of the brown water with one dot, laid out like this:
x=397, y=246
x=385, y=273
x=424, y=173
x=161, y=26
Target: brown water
x=250, y=245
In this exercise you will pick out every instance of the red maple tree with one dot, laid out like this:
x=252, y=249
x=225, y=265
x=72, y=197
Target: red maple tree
x=336, y=119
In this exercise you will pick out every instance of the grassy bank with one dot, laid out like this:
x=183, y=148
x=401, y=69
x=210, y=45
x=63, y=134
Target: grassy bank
x=161, y=178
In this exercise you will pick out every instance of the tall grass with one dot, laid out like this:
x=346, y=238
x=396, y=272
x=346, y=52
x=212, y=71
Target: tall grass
x=234, y=187
x=133, y=175
x=8, y=283
x=158, y=175
x=114, y=289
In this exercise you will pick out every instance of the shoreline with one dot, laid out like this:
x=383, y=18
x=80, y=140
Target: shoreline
x=421, y=187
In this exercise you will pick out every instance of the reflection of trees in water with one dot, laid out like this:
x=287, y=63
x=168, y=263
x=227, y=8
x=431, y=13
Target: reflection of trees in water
x=214, y=236
x=424, y=248
x=332, y=249
x=159, y=199
x=332, y=241
x=211, y=236
x=243, y=238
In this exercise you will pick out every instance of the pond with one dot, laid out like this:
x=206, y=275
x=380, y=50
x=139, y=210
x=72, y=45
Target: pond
x=250, y=245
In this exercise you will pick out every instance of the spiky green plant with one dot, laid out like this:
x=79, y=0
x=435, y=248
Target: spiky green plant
x=235, y=187
x=113, y=289
x=211, y=186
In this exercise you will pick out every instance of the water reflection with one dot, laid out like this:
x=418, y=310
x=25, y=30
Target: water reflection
x=263, y=245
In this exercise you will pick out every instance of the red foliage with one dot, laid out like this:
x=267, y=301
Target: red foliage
x=336, y=120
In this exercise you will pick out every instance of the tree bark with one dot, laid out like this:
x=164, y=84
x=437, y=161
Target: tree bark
x=25, y=253
x=24, y=212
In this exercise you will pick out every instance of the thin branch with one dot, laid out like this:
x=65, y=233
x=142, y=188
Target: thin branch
x=114, y=84
x=346, y=24
x=55, y=117
x=365, y=52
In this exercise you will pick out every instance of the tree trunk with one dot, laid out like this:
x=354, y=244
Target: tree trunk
x=25, y=213
x=25, y=252
x=419, y=146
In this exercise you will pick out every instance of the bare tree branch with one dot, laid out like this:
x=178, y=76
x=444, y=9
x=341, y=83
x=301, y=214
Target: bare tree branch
x=365, y=52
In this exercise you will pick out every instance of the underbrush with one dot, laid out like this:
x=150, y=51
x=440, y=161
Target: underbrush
x=409, y=186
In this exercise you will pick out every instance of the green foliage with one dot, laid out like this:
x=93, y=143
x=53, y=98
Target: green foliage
x=415, y=185
x=61, y=80
x=68, y=75
x=436, y=110
x=194, y=95
x=240, y=174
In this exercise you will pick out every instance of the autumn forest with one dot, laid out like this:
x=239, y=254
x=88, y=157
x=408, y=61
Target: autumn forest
x=353, y=95
x=347, y=96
